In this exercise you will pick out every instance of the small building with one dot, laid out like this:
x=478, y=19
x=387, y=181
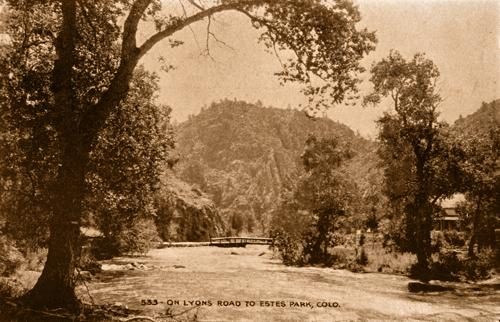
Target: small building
x=448, y=218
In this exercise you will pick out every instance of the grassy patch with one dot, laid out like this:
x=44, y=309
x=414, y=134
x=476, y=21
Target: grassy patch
x=379, y=260
x=375, y=259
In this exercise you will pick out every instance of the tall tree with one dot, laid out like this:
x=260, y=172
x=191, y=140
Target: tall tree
x=94, y=59
x=311, y=209
x=410, y=136
x=480, y=169
x=476, y=139
x=325, y=192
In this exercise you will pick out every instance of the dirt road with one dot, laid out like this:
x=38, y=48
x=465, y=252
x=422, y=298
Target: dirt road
x=243, y=284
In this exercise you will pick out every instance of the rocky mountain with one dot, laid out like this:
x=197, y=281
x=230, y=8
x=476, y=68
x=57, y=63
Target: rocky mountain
x=185, y=213
x=242, y=154
x=486, y=118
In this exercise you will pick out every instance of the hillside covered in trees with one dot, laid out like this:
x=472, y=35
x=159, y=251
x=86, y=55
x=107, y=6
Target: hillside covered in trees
x=482, y=121
x=243, y=154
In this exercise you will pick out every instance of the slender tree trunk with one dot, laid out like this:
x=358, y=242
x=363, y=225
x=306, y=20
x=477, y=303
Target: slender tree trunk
x=475, y=225
x=419, y=234
x=422, y=213
x=423, y=235
x=325, y=251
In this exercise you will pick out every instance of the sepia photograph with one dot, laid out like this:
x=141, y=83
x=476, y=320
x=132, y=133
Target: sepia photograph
x=249, y=160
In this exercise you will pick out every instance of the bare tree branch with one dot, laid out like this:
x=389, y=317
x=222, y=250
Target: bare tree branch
x=183, y=8
x=211, y=34
x=190, y=28
x=207, y=41
x=196, y=5
x=181, y=24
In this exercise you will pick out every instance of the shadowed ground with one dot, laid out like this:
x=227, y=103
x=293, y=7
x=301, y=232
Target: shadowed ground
x=213, y=274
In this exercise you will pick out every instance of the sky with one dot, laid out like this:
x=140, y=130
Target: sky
x=461, y=37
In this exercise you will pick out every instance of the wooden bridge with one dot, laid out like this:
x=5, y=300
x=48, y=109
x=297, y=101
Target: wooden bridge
x=239, y=241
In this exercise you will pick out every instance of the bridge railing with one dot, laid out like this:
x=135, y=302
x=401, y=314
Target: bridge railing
x=242, y=241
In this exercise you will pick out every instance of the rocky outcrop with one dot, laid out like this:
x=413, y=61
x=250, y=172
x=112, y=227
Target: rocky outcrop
x=185, y=213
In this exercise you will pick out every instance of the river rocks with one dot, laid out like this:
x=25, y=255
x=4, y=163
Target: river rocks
x=127, y=267
x=179, y=266
x=84, y=276
x=112, y=267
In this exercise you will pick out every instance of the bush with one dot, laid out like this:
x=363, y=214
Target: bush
x=341, y=239
x=11, y=258
x=454, y=238
x=481, y=266
x=139, y=238
x=394, y=234
x=290, y=249
x=89, y=263
x=437, y=240
x=446, y=268
x=10, y=288
x=448, y=238
x=34, y=260
x=450, y=267
x=104, y=248
x=342, y=257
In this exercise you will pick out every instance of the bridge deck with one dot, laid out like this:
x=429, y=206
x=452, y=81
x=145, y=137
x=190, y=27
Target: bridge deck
x=239, y=241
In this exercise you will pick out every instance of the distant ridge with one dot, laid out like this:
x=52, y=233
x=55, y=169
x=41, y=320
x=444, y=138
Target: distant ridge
x=480, y=122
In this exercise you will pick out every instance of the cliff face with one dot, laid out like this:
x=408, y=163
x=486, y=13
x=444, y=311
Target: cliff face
x=241, y=155
x=185, y=213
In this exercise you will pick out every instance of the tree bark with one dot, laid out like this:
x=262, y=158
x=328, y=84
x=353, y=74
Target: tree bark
x=422, y=213
x=56, y=286
x=475, y=225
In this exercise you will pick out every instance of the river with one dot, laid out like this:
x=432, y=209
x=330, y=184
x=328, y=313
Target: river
x=249, y=284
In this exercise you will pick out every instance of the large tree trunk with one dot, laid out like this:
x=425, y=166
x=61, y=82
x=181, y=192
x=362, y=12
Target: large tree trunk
x=56, y=286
